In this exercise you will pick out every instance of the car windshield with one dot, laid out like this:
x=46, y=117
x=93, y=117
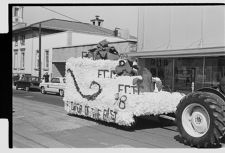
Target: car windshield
x=34, y=79
x=29, y=78
x=26, y=79
x=55, y=80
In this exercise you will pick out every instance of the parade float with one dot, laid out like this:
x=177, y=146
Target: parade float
x=105, y=87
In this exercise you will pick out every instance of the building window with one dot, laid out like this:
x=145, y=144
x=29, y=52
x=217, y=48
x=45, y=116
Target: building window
x=162, y=68
x=22, y=64
x=214, y=70
x=178, y=74
x=22, y=41
x=15, y=64
x=37, y=59
x=16, y=11
x=16, y=40
x=46, y=59
x=188, y=70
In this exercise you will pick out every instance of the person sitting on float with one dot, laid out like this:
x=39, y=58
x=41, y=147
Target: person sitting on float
x=127, y=67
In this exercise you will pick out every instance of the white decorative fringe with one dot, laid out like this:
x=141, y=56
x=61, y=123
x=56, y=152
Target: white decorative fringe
x=105, y=107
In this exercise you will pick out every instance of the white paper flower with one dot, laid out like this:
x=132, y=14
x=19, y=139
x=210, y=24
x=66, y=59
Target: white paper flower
x=86, y=70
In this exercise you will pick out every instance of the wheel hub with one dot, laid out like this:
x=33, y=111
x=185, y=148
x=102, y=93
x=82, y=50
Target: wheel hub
x=199, y=122
x=195, y=120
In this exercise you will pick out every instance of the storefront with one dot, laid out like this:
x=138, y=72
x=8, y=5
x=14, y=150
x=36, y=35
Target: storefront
x=178, y=70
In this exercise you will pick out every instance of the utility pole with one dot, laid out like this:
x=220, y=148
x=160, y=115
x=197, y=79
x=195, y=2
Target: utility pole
x=39, y=63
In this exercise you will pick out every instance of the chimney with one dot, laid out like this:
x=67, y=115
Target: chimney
x=122, y=33
x=97, y=21
x=116, y=32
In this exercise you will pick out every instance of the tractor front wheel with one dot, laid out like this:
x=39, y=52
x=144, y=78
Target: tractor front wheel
x=200, y=118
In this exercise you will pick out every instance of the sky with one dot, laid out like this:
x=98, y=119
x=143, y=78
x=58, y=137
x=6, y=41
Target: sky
x=124, y=17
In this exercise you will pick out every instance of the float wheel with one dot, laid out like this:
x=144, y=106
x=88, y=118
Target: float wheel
x=43, y=90
x=27, y=88
x=200, y=118
x=61, y=92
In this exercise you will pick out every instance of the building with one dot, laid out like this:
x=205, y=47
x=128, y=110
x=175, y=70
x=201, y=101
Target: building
x=183, y=45
x=56, y=34
x=18, y=17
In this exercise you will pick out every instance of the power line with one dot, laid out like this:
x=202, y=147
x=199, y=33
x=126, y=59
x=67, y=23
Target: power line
x=71, y=18
x=59, y=13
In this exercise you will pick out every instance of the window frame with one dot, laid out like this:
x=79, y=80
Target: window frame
x=22, y=59
x=16, y=40
x=46, y=63
x=16, y=11
x=22, y=39
x=15, y=60
x=36, y=67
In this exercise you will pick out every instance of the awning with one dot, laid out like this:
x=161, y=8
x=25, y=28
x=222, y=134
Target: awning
x=213, y=51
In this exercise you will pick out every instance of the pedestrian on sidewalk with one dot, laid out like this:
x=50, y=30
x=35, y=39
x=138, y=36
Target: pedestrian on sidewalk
x=46, y=77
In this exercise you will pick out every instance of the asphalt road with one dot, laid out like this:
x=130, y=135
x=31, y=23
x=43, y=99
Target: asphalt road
x=39, y=119
x=35, y=94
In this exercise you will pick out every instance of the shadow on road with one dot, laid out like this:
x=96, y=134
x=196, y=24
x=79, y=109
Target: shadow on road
x=181, y=140
x=148, y=122
x=22, y=91
x=140, y=123
x=35, y=90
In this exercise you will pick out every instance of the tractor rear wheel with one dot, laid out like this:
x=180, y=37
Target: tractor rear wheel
x=200, y=118
x=43, y=90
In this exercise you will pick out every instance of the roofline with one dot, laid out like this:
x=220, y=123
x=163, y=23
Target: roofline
x=92, y=44
x=97, y=27
x=27, y=27
x=33, y=25
x=190, y=52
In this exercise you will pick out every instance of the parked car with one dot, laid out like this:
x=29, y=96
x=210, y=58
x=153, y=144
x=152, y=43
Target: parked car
x=15, y=77
x=27, y=82
x=56, y=85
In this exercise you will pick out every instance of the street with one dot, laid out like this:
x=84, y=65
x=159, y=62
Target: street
x=40, y=121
